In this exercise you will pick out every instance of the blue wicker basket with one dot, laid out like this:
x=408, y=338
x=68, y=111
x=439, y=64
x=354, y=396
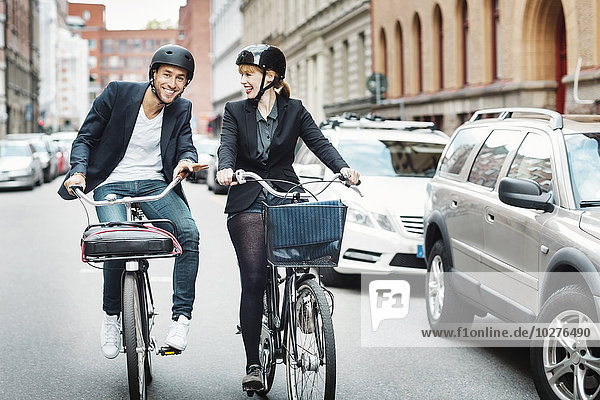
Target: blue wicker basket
x=304, y=234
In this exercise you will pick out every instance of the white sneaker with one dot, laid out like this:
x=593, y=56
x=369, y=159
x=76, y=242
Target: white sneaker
x=178, y=330
x=110, y=336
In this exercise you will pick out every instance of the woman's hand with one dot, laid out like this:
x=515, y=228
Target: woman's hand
x=351, y=175
x=225, y=177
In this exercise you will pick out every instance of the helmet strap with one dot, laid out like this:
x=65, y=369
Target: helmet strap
x=263, y=89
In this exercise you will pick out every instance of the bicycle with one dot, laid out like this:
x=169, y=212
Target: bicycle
x=136, y=241
x=297, y=329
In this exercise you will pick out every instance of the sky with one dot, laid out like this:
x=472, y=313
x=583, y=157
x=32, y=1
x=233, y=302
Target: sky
x=135, y=14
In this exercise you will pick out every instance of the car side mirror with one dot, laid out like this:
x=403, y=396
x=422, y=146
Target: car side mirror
x=524, y=193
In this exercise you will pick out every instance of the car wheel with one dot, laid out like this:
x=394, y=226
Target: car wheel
x=331, y=277
x=567, y=367
x=444, y=306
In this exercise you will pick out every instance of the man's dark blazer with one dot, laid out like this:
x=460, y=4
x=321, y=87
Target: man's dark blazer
x=239, y=148
x=107, y=129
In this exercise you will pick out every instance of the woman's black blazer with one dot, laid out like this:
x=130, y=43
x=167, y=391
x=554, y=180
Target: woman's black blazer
x=239, y=147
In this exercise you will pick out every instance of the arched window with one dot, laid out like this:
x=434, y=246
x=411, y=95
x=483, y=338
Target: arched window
x=399, y=72
x=382, y=63
x=438, y=43
x=418, y=52
x=464, y=42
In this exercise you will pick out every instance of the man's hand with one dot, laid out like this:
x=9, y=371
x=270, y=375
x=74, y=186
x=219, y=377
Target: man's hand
x=225, y=177
x=351, y=175
x=188, y=166
x=76, y=179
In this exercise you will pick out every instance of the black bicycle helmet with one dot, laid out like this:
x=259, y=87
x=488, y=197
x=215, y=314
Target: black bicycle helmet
x=172, y=54
x=265, y=57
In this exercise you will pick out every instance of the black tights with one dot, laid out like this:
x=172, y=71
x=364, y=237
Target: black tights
x=247, y=234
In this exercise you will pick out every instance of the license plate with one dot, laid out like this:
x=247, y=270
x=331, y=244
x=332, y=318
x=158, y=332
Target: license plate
x=420, y=253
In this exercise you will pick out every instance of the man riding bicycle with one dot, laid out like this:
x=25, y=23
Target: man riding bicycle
x=135, y=139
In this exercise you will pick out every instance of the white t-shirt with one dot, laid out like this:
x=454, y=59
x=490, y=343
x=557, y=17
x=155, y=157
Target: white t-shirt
x=142, y=159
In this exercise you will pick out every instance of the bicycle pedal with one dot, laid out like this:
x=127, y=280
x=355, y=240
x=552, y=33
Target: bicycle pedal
x=168, y=351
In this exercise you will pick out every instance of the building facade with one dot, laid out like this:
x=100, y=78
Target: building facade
x=444, y=59
x=328, y=48
x=226, y=22
x=19, y=66
x=194, y=35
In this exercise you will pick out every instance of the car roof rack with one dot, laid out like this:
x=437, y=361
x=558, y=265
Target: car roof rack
x=372, y=121
x=556, y=119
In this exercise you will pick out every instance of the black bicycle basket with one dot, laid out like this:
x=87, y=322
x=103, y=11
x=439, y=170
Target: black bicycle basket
x=304, y=234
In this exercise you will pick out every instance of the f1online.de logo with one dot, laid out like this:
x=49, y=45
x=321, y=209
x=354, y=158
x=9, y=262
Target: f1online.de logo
x=389, y=299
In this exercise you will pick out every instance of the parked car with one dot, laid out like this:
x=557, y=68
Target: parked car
x=206, y=148
x=512, y=228
x=384, y=228
x=211, y=177
x=45, y=149
x=64, y=141
x=19, y=166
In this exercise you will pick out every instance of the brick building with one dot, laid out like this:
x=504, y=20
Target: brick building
x=445, y=59
x=117, y=54
x=194, y=35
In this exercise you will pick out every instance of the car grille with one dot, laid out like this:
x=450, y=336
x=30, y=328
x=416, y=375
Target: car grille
x=412, y=224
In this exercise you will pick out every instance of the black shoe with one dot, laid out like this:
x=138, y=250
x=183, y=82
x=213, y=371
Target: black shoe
x=254, y=378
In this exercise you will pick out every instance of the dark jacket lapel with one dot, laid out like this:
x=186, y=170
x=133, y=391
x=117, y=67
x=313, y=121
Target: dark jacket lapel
x=251, y=128
x=167, y=128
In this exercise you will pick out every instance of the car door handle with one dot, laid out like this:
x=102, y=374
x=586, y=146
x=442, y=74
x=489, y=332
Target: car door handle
x=454, y=203
x=489, y=217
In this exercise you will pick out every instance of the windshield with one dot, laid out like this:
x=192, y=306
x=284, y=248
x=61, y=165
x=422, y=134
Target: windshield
x=13, y=150
x=584, y=165
x=391, y=157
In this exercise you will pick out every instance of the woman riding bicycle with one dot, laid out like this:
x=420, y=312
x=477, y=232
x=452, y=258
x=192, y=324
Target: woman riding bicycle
x=259, y=134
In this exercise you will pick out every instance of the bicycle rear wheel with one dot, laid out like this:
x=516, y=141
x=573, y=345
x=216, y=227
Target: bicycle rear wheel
x=310, y=346
x=136, y=335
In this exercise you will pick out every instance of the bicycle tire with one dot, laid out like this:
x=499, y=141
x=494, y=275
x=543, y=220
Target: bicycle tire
x=311, y=374
x=266, y=350
x=133, y=303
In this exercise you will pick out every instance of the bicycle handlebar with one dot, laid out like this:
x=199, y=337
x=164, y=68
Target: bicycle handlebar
x=126, y=200
x=240, y=176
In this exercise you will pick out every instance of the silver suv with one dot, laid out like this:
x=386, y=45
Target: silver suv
x=513, y=212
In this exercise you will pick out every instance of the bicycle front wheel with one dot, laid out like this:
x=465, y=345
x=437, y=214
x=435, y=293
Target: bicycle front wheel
x=310, y=346
x=135, y=335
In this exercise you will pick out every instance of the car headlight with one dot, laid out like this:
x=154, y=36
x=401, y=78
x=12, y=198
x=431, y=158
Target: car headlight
x=359, y=216
x=384, y=222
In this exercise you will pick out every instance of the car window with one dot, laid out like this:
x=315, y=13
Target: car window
x=584, y=165
x=533, y=161
x=459, y=149
x=492, y=155
x=391, y=157
x=13, y=150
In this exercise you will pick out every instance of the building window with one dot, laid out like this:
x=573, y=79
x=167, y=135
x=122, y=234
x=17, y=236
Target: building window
x=418, y=53
x=439, y=46
x=464, y=42
x=399, y=73
x=495, y=48
x=92, y=44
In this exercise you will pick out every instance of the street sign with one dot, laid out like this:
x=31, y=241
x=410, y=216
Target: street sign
x=377, y=83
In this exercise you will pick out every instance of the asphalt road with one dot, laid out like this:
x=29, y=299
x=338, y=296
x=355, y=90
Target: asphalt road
x=50, y=308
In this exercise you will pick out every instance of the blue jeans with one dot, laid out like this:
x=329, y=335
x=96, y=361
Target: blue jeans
x=170, y=207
